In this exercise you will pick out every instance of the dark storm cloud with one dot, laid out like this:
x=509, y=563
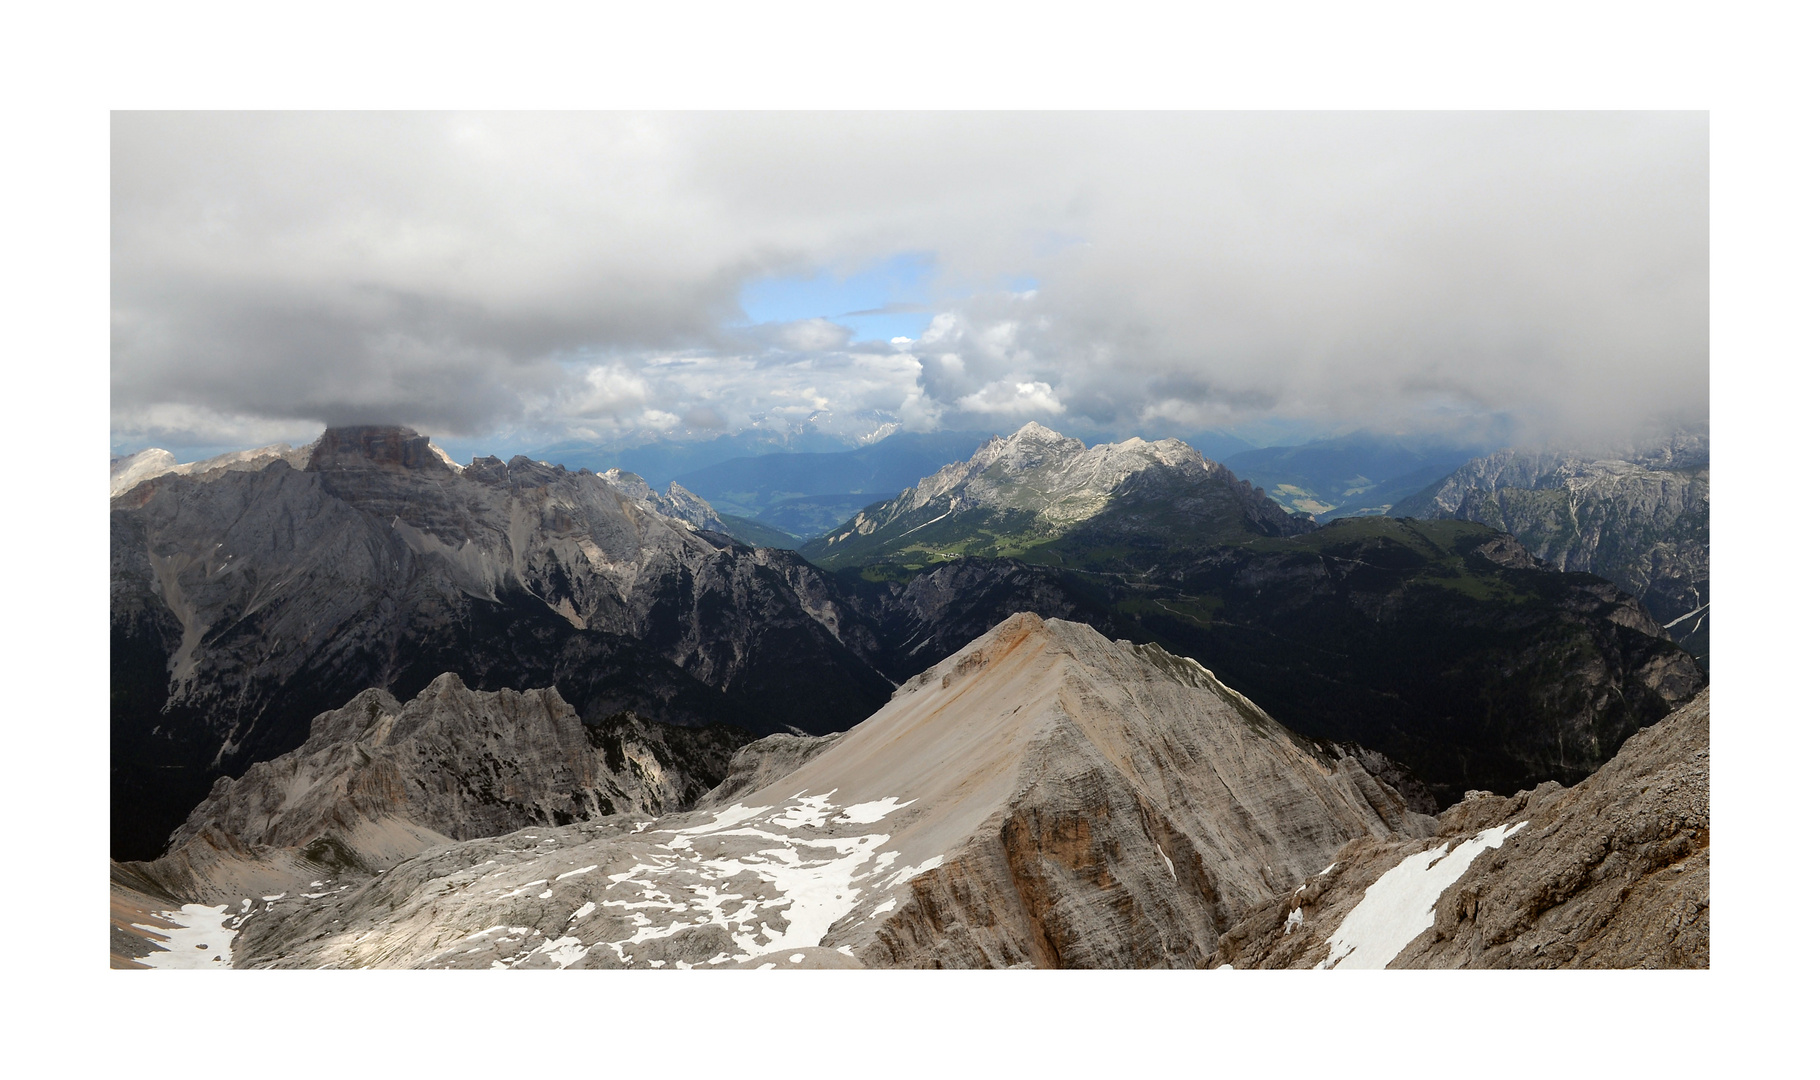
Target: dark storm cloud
x=581, y=273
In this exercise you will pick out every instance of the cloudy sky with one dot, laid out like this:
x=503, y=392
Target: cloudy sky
x=505, y=282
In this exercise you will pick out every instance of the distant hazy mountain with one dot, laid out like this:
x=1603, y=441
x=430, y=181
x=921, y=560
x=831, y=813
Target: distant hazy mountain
x=1637, y=516
x=1020, y=494
x=1355, y=475
x=661, y=461
x=806, y=494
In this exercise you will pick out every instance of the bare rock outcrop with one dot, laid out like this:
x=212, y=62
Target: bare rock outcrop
x=379, y=781
x=763, y=762
x=1610, y=873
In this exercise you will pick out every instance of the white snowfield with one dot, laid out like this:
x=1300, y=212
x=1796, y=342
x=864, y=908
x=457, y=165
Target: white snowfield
x=203, y=938
x=1401, y=904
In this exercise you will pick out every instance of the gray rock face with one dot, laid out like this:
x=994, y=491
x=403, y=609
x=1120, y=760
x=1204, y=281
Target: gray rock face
x=677, y=501
x=245, y=601
x=1612, y=872
x=1635, y=516
x=378, y=781
x=1046, y=797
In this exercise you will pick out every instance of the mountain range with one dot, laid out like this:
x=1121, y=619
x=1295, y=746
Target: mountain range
x=347, y=677
x=245, y=601
x=1443, y=645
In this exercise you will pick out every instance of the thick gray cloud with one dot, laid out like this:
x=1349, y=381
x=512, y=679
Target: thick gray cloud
x=579, y=276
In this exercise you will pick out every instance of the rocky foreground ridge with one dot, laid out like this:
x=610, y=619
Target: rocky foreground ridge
x=1046, y=797
x=1613, y=872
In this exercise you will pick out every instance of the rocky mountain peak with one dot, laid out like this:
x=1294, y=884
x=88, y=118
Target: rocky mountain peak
x=1034, y=438
x=1039, y=484
x=382, y=446
x=127, y=473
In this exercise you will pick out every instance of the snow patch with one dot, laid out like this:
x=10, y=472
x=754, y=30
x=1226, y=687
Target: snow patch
x=201, y=939
x=868, y=813
x=1401, y=904
x=909, y=872
x=812, y=811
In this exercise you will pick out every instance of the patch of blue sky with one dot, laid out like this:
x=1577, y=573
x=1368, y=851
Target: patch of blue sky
x=887, y=299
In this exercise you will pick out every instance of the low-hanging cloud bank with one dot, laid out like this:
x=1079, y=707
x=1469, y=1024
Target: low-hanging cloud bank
x=579, y=276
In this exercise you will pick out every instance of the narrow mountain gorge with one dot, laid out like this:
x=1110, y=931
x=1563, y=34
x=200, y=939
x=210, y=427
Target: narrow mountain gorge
x=1635, y=516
